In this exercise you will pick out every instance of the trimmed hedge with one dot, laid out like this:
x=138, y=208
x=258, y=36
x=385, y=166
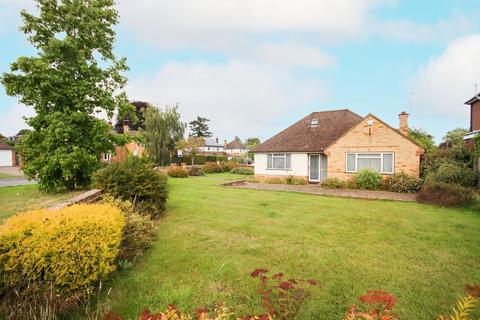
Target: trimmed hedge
x=177, y=172
x=66, y=249
x=212, y=167
x=199, y=159
x=137, y=181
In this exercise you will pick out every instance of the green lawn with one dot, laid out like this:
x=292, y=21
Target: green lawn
x=212, y=237
x=21, y=198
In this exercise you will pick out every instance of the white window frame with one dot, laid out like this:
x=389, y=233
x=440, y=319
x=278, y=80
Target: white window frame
x=372, y=157
x=280, y=155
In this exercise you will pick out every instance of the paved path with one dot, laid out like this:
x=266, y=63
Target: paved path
x=316, y=189
x=12, y=171
x=12, y=182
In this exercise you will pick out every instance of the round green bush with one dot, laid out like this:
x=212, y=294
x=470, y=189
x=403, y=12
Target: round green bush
x=137, y=181
x=368, y=179
x=453, y=173
x=177, y=172
x=403, y=183
x=195, y=171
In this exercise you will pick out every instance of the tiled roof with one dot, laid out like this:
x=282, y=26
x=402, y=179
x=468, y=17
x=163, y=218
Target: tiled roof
x=235, y=144
x=313, y=133
x=5, y=146
x=210, y=142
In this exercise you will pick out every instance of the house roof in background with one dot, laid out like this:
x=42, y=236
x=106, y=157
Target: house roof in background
x=211, y=142
x=235, y=144
x=313, y=133
x=5, y=146
x=474, y=99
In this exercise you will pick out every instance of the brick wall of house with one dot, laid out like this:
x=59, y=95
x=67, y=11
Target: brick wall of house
x=376, y=138
x=475, y=116
x=121, y=153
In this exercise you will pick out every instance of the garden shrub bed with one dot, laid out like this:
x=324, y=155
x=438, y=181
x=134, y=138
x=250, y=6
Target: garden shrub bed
x=67, y=248
x=177, y=172
x=137, y=181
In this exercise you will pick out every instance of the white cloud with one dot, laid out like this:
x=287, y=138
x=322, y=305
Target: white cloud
x=12, y=120
x=231, y=25
x=444, y=30
x=447, y=81
x=241, y=98
x=289, y=55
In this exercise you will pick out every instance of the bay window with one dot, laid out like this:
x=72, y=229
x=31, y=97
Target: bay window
x=279, y=161
x=382, y=162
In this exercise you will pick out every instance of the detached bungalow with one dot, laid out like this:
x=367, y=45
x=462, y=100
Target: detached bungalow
x=337, y=144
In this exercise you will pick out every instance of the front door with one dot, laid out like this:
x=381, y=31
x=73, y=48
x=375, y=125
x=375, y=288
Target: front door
x=317, y=168
x=314, y=168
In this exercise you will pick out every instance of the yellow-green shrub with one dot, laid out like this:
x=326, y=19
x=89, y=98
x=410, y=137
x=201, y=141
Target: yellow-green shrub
x=65, y=249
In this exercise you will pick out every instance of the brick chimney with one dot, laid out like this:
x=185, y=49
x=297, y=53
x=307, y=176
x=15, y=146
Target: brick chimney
x=403, y=116
x=126, y=127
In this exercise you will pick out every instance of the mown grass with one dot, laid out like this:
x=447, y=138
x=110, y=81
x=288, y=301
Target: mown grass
x=212, y=237
x=27, y=197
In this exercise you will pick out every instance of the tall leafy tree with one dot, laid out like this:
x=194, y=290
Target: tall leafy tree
x=136, y=119
x=199, y=127
x=163, y=129
x=423, y=138
x=454, y=137
x=191, y=145
x=73, y=76
x=252, y=143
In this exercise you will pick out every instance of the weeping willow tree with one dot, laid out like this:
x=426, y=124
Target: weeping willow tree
x=163, y=129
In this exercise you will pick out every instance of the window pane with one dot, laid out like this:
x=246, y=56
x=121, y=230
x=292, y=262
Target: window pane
x=314, y=167
x=369, y=155
x=369, y=163
x=278, y=163
x=288, y=162
x=269, y=161
x=387, y=162
x=350, y=162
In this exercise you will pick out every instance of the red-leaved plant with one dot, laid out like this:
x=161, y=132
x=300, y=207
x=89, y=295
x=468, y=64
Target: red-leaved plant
x=281, y=299
x=375, y=305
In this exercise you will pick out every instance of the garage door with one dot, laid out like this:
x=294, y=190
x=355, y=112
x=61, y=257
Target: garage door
x=6, y=158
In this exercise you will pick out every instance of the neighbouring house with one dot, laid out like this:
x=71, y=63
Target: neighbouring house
x=337, y=144
x=235, y=149
x=212, y=147
x=7, y=155
x=132, y=147
x=16, y=138
x=474, y=104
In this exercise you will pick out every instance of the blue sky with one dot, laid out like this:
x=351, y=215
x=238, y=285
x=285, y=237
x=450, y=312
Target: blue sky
x=256, y=66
